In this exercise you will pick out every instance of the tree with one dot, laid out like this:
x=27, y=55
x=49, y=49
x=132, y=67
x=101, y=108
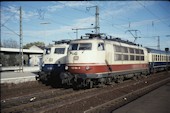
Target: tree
x=39, y=44
x=10, y=43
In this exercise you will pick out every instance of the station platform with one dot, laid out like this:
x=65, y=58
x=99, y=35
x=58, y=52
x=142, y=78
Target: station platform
x=17, y=68
x=17, y=77
x=13, y=74
x=157, y=101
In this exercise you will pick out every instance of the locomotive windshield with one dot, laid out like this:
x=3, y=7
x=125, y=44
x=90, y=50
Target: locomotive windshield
x=80, y=46
x=59, y=50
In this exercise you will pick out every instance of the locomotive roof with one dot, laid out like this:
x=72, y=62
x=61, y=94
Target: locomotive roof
x=67, y=41
x=106, y=38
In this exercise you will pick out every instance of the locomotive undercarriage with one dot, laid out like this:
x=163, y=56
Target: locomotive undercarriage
x=49, y=78
x=88, y=81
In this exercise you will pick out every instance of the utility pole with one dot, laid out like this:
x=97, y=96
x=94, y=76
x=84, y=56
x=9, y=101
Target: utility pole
x=97, y=28
x=158, y=46
x=166, y=50
x=76, y=32
x=21, y=40
x=135, y=36
x=80, y=29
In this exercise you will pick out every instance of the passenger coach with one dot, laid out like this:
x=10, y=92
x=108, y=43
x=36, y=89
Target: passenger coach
x=158, y=60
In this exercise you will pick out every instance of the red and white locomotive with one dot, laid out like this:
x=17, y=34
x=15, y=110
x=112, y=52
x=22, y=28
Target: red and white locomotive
x=97, y=60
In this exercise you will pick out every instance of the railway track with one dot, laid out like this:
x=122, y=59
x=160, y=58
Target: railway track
x=102, y=97
x=89, y=100
x=11, y=90
x=110, y=106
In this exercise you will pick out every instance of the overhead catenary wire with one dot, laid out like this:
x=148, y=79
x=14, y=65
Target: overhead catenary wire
x=151, y=12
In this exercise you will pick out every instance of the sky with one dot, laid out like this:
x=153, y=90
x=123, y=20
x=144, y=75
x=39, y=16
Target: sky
x=150, y=19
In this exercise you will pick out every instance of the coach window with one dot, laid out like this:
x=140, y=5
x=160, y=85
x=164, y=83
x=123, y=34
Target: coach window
x=132, y=57
x=158, y=58
x=100, y=47
x=131, y=50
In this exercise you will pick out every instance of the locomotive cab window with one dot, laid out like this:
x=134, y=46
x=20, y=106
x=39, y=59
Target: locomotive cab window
x=100, y=47
x=73, y=47
x=59, y=50
x=85, y=46
x=80, y=46
x=47, y=51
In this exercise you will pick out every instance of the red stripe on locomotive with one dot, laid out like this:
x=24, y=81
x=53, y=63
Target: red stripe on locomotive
x=104, y=68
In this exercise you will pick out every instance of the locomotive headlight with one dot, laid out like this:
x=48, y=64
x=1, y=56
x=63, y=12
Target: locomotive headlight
x=51, y=59
x=43, y=65
x=88, y=68
x=75, y=58
x=66, y=67
x=59, y=64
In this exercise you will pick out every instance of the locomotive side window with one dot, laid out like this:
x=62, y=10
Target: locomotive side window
x=59, y=50
x=137, y=51
x=117, y=48
x=124, y=49
x=131, y=50
x=100, y=47
x=142, y=57
x=132, y=57
x=128, y=54
x=48, y=51
x=141, y=52
x=125, y=57
x=118, y=57
x=137, y=57
x=85, y=46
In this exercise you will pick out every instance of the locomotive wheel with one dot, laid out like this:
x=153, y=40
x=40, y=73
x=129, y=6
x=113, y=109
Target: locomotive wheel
x=120, y=79
x=134, y=77
x=90, y=85
x=75, y=86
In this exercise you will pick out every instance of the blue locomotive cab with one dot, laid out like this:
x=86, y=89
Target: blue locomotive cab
x=53, y=62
